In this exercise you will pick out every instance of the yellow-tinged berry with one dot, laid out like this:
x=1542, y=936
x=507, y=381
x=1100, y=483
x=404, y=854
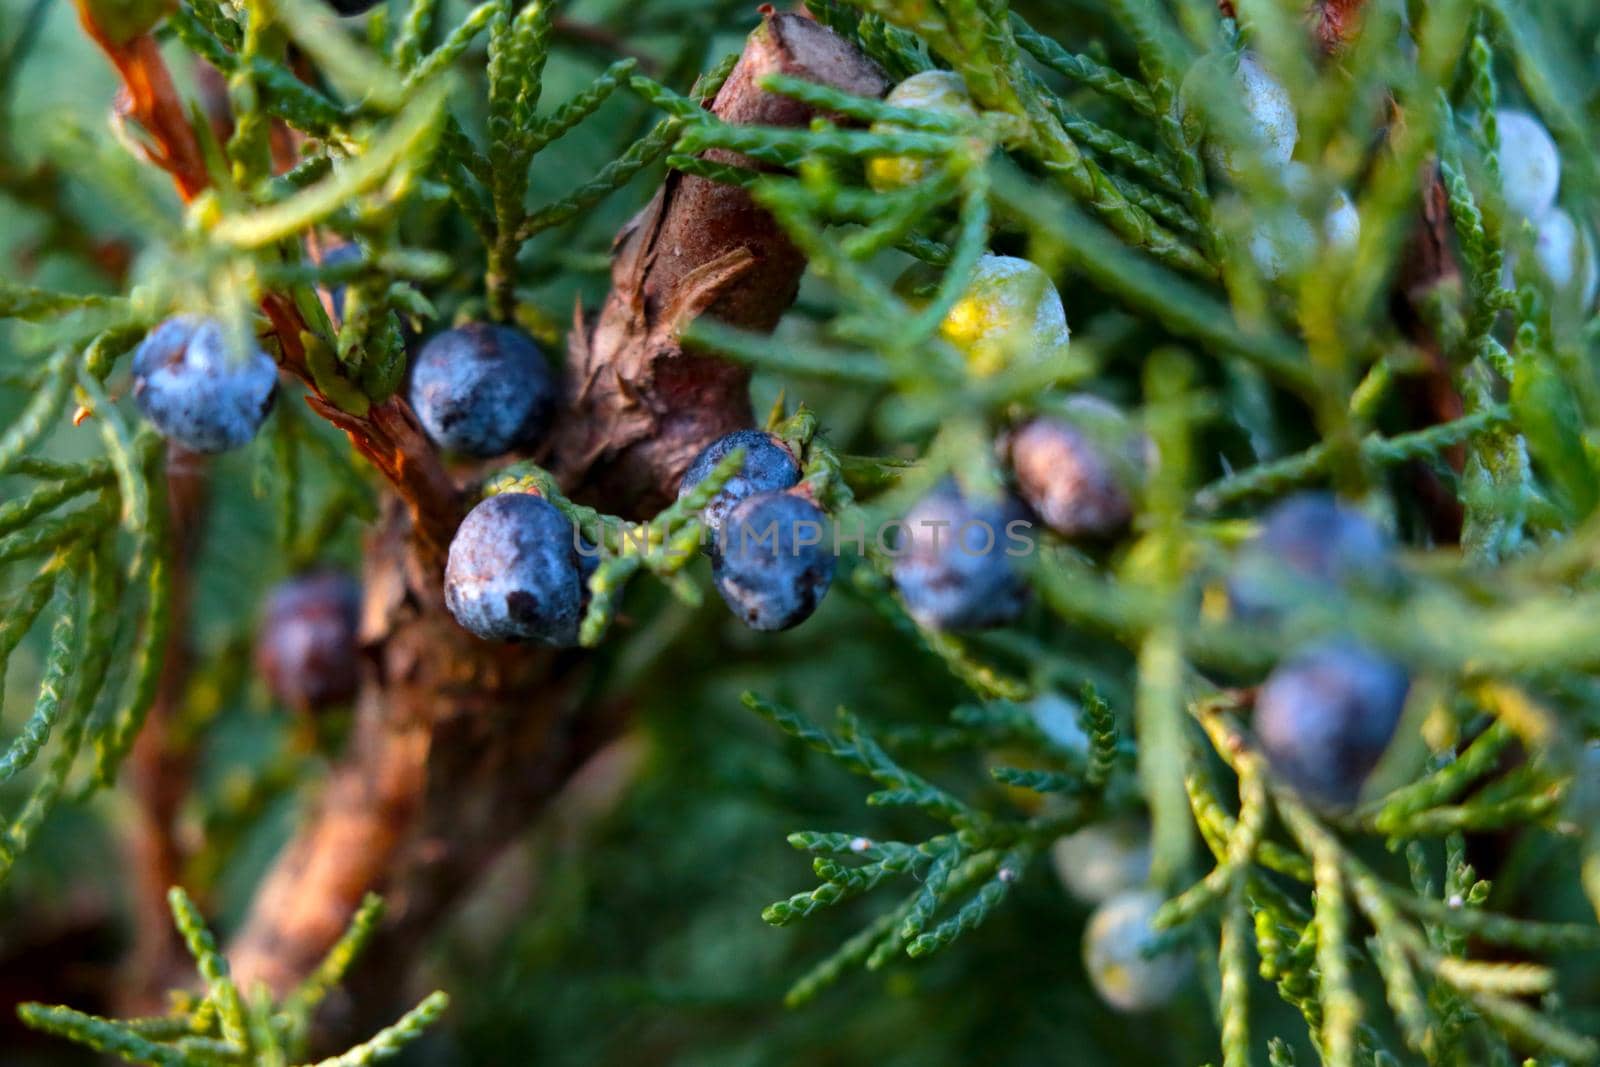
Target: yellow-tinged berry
x=1010, y=311
x=938, y=91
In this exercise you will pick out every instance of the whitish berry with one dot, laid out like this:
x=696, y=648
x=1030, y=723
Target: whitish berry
x=775, y=560
x=941, y=92
x=1077, y=474
x=483, y=390
x=1530, y=165
x=196, y=391
x=1267, y=123
x=307, y=648
x=1114, y=945
x=1102, y=860
x=1342, y=224
x=1325, y=717
x=1565, y=254
x=1309, y=545
x=1010, y=312
x=514, y=572
x=1061, y=721
x=768, y=467
x=1285, y=243
x=1281, y=246
x=956, y=563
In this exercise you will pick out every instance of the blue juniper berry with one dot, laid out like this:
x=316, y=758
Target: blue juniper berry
x=307, y=648
x=1310, y=544
x=768, y=467
x=196, y=390
x=1325, y=716
x=482, y=390
x=955, y=563
x=775, y=562
x=514, y=572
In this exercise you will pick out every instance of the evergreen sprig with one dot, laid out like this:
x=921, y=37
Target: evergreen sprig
x=223, y=1026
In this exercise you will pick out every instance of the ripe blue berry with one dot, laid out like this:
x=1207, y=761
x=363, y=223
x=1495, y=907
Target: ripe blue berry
x=307, y=648
x=1310, y=544
x=514, y=573
x=196, y=391
x=954, y=565
x=1076, y=477
x=483, y=390
x=1114, y=945
x=353, y=7
x=768, y=467
x=774, y=564
x=1324, y=718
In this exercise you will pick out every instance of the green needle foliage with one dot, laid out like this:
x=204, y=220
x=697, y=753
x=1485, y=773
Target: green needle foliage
x=221, y=1026
x=479, y=158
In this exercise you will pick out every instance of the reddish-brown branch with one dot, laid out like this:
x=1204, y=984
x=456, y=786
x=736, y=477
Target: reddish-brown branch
x=149, y=97
x=460, y=744
x=387, y=434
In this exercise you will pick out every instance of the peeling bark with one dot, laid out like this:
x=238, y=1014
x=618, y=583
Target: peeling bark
x=642, y=405
x=459, y=744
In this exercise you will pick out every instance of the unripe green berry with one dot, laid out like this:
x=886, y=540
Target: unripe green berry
x=1009, y=312
x=1114, y=945
x=939, y=91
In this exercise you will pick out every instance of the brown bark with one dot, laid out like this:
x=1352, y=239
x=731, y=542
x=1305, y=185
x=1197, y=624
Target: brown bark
x=643, y=406
x=459, y=744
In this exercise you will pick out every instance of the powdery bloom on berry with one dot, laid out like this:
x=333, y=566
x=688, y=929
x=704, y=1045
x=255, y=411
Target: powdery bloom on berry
x=1010, y=310
x=953, y=567
x=513, y=572
x=483, y=390
x=198, y=392
x=940, y=92
x=1530, y=165
x=1325, y=717
x=774, y=565
x=768, y=466
x=1114, y=944
x=1076, y=476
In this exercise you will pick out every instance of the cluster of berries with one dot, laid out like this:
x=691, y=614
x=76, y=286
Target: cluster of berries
x=1075, y=471
x=770, y=557
x=1265, y=135
x=1326, y=715
x=1530, y=181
